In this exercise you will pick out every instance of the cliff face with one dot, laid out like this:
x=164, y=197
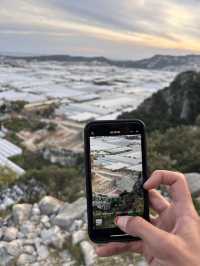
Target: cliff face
x=175, y=105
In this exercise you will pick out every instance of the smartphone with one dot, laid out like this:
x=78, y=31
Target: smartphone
x=116, y=169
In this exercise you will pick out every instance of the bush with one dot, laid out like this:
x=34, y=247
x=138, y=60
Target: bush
x=65, y=183
x=7, y=176
x=17, y=124
x=30, y=160
x=176, y=149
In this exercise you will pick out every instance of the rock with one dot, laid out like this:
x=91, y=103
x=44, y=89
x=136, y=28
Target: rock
x=10, y=234
x=43, y=252
x=78, y=236
x=76, y=225
x=193, y=182
x=29, y=249
x=88, y=253
x=25, y=259
x=45, y=221
x=69, y=213
x=21, y=213
x=35, y=210
x=49, y=205
x=53, y=237
x=1, y=233
x=142, y=263
x=6, y=259
x=27, y=228
x=15, y=247
x=66, y=258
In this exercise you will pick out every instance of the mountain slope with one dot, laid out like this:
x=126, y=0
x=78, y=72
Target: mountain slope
x=175, y=105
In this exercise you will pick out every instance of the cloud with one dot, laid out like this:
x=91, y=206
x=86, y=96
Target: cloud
x=167, y=26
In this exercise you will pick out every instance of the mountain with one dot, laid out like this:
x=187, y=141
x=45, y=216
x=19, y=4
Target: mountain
x=178, y=104
x=165, y=62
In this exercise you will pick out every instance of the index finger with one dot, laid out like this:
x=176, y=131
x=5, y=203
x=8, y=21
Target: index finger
x=178, y=185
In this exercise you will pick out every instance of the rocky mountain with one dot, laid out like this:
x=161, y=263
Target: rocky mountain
x=175, y=105
x=168, y=62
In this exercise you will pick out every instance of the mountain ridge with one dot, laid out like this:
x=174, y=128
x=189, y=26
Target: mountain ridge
x=167, y=62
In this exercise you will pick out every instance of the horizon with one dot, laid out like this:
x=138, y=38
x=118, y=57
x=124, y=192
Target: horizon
x=115, y=30
x=26, y=55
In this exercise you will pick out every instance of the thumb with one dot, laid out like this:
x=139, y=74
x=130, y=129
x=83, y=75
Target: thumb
x=137, y=226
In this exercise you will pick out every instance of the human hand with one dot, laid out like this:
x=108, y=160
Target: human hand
x=171, y=239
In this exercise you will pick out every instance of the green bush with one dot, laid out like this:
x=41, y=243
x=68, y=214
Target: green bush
x=7, y=176
x=31, y=160
x=176, y=149
x=16, y=124
x=62, y=182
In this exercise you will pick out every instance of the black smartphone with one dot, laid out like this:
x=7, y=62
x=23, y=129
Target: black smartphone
x=116, y=169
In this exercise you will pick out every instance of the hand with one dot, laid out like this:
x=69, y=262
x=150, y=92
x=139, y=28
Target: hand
x=171, y=239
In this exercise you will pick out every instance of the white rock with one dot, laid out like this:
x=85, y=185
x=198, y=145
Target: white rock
x=53, y=237
x=43, y=252
x=45, y=221
x=29, y=249
x=5, y=257
x=27, y=228
x=35, y=210
x=8, y=202
x=15, y=247
x=88, y=253
x=10, y=234
x=76, y=225
x=70, y=212
x=49, y=205
x=78, y=236
x=142, y=263
x=21, y=213
x=25, y=259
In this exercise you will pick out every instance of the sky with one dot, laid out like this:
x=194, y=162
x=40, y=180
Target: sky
x=118, y=29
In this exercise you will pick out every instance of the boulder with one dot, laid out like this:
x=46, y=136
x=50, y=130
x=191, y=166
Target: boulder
x=28, y=249
x=15, y=247
x=88, y=253
x=25, y=259
x=6, y=258
x=21, y=213
x=69, y=213
x=42, y=252
x=10, y=233
x=49, y=205
x=53, y=237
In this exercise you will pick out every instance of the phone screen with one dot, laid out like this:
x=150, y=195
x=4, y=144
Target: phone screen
x=117, y=178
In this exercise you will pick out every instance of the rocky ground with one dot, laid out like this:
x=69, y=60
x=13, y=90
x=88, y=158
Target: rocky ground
x=51, y=232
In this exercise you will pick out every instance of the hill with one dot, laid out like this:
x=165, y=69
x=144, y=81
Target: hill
x=178, y=104
x=167, y=62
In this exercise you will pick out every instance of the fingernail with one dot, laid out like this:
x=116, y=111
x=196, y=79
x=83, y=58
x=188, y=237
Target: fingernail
x=122, y=222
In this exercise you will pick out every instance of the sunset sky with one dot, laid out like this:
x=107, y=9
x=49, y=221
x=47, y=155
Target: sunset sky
x=120, y=29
